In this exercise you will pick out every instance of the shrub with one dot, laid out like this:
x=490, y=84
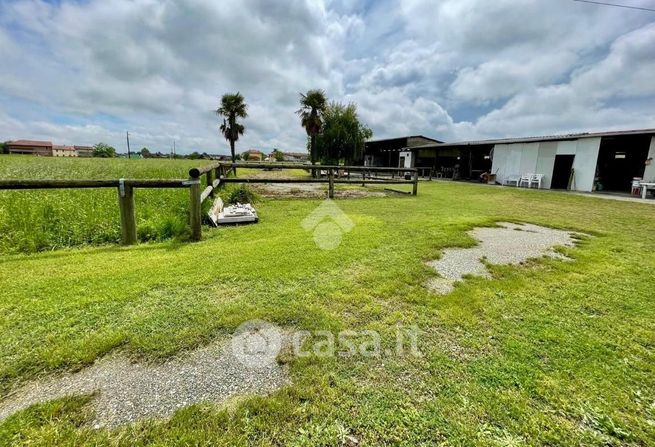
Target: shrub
x=241, y=194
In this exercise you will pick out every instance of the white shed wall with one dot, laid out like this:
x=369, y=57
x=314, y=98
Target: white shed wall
x=566, y=147
x=529, y=155
x=546, y=162
x=499, y=162
x=507, y=161
x=586, y=159
x=409, y=159
x=539, y=158
x=649, y=173
x=515, y=159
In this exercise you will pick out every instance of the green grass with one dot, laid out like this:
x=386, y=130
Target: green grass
x=45, y=220
x=552, y=353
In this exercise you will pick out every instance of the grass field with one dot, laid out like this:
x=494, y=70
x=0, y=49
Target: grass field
x=45, y=220
x=552, y=353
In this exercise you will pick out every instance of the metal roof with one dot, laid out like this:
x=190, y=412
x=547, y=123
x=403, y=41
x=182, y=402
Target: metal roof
x=405, y=137
x=31, y=143
x=571, y=136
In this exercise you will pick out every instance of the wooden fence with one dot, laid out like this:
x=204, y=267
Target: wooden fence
x=125, y=188
x=214, y=176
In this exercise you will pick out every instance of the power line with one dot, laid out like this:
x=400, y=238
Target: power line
x=615, y=5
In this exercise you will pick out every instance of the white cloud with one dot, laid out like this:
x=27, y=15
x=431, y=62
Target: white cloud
x=585, y=103
x=87, y=71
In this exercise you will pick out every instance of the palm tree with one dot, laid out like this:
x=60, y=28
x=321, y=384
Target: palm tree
x=312, y=105
x=233, y=106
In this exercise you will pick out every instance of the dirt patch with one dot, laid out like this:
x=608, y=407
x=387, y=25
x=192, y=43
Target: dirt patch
x=310, y=190
x=127, y=391
x=508, y=244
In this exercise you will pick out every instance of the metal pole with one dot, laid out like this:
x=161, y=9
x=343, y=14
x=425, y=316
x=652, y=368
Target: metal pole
x=127, y=134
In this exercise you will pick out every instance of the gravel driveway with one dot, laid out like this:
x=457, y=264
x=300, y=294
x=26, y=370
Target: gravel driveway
x=128, y=391
x=508, y=244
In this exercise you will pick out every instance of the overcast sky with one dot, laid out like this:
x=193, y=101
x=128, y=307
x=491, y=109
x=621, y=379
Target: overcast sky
x=86, y=71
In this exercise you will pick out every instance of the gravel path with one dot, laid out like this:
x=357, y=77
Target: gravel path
x=130, y=391
x=508, y=244
x=311, y=190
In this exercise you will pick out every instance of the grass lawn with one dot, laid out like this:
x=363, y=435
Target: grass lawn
x=553, y=353
x=52, y=219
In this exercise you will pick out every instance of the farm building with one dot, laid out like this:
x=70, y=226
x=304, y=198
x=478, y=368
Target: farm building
x=84, y=151
x=63, y=151
x=607, y=161
x=296, y=156
x=253, y=155
x=393, y=152
x=31, y=147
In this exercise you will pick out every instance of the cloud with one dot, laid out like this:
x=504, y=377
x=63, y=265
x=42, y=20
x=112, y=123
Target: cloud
x=586, y=102
x=82, y=72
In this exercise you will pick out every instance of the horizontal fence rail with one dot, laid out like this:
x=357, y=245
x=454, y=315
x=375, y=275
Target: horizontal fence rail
x=336, y=180
x=125, y=189
x=197, y=172
x=215, y=175
x=75, y=184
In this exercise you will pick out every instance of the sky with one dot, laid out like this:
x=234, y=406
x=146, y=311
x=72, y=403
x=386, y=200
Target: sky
x=82, y=72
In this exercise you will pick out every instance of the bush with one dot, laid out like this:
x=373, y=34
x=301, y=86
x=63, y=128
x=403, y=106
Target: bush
x=241, y=194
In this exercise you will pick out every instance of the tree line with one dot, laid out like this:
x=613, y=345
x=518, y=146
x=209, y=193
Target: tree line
x=334, y=132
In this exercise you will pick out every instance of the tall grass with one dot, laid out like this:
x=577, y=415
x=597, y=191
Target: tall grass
x=50, y=219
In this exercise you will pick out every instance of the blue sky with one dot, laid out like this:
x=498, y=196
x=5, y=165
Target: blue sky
x=84, y=72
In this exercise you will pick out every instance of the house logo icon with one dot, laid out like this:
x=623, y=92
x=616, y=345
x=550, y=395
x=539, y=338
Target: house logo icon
x=256, y=344
x=328, y=224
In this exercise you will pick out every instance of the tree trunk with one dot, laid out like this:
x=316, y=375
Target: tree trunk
x=312, y=153
x=234, y=158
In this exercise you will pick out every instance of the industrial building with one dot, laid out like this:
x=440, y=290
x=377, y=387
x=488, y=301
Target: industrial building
x=601, y=161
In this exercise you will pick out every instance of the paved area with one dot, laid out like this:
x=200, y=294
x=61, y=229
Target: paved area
x=508, y=244
x=129, y=391
x=621, y=197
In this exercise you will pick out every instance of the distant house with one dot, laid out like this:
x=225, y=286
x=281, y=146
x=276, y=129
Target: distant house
x=63, y=151
x=31, y=147
x=300, y=157
x=253, y=155
x=220, y=157
x=84, y=151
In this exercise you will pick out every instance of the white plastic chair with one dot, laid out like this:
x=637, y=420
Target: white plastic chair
x=527, y=179
x=536, y=179
x=636, y=187
x=515, y=179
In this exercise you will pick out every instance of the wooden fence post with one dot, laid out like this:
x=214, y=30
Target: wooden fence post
x=331, y=183
x=415, y=186
x=195, y=219
x=363, y=177
x=128, y=213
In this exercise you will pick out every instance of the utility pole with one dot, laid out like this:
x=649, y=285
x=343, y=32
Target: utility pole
x=173, y=148
x=127, y=134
